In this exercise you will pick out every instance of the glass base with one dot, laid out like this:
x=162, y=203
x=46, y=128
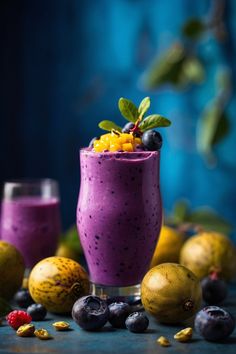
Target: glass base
x=129, y=294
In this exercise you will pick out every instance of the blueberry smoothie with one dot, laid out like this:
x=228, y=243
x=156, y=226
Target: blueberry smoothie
x=31, y=224
x=119, y=214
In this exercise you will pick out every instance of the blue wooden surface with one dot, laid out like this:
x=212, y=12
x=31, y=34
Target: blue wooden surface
x=114, y=341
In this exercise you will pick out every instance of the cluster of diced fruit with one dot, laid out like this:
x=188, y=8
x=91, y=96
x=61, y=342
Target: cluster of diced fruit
x=127, y=140
x=115, y=141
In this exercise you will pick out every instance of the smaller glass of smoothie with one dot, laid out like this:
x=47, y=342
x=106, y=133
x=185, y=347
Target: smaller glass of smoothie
x=30, y=218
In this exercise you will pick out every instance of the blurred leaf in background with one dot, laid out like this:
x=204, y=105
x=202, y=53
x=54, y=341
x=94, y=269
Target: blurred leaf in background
x=193, y=28
x=69, y=245
x=181, y=67
x=202, y=218
x=177, y=67
x=214, y=124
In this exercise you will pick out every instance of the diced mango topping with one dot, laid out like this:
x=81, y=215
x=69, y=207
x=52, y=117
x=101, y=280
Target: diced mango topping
x=116, y=141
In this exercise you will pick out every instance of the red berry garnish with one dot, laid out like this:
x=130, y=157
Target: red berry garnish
x=18, y=318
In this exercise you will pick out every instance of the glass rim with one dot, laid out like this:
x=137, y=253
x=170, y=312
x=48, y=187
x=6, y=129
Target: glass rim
x=29, y=181
x=107, y=153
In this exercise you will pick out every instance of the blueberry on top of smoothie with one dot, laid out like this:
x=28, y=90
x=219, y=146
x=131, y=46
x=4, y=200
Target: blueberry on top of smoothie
x=136, y=135
x=152, y=140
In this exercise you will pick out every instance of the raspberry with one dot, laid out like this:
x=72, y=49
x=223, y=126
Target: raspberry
x=17, y=318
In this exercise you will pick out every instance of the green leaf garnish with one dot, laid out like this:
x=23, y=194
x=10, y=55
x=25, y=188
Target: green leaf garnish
x=128, y=109
x=144, y=106
x=109, y=125
x=154, y=121
x=136, y=116
x=193, y=28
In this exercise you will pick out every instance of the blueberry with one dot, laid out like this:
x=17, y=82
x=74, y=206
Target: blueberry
x=214, y=323
x=37, y=311
x=214, y=290
x=92, y=141
x=152, y=140
x=127, y=127
x=23, y=298
x=119, y=311
x=137, y=322
x=90, y=312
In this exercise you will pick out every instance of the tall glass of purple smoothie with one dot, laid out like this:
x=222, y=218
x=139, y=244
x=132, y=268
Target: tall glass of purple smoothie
x=31, y=218
x=119, y=216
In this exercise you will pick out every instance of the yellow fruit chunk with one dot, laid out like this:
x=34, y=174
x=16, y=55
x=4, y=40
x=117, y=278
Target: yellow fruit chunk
x=105, y=137
x=100, y=146
x=185, y=335
x=61, y=326
x=26, y=330
x=126, y=138
x=42, y=334
x=116, y=141
x=115, y=147
x=137, y=141
x=127, y=147
x=163, y=341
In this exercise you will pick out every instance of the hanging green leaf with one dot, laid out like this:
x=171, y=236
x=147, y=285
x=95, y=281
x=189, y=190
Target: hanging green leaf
x=212, y=128
x=128, y=109
x=154, y=121
x=109, y=125
x=166, y=69
x=222, y=130
x=210, y=220
x=224, y=79
x=193, y=70
x=180, y=211
x=193, y=28
x=144, y=106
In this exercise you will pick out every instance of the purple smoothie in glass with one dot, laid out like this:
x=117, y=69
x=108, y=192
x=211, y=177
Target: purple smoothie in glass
x=31, y=224
x=119, y=214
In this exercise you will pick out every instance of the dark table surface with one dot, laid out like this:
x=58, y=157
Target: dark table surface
x=110, y=340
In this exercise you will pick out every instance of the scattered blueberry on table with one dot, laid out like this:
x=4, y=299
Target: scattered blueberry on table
x=214, y=289
x=37, y=311
x=90, y=312
x=137, y=322
x=214, y=323
x=118, y=312
x=23, y=298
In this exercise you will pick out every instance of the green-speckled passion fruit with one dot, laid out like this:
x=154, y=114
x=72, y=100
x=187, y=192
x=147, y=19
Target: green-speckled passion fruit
x=12, y=269
x=171, y=293
x=209, y=251
x=57, y=282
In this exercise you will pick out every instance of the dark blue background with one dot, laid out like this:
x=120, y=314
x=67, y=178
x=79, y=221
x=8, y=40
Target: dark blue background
x=64, y=65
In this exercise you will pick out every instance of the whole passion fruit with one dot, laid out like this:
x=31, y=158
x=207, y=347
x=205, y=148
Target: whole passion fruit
x=209, y=251
x=57, y=282
x=171, y=293
x=168, y=246
x=12, y=269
